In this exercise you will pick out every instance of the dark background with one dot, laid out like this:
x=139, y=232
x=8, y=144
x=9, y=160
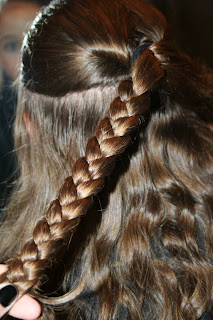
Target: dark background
x=191, y=24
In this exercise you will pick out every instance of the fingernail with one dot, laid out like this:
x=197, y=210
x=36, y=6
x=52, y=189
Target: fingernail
x=7, y=295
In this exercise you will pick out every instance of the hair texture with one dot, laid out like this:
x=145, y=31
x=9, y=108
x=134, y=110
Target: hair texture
x=129, y=233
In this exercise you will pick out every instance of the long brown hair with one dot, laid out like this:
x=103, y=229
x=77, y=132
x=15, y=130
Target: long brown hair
x=144, y=248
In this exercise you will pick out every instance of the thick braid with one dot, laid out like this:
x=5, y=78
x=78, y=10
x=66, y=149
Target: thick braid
x=76, y=194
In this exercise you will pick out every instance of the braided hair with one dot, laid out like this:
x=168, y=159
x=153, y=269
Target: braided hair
x=132, y=220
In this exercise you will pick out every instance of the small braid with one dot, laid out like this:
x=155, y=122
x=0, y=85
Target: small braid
x=88, y=173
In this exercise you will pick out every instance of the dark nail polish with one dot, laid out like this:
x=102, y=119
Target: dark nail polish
x=7, y=295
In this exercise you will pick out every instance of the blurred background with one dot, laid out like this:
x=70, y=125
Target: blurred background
x=191, y=24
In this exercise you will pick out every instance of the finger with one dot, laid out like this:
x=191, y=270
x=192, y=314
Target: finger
x=8, y=296
x=26, y=308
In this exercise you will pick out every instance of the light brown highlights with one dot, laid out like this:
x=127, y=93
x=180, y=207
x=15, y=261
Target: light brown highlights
x=116, y=187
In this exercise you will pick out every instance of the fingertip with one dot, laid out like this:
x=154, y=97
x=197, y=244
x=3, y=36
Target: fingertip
x=26, y=308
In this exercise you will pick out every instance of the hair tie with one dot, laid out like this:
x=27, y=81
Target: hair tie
x=137, y=52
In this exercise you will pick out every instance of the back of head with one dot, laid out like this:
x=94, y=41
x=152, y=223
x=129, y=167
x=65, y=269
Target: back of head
x=144, y=248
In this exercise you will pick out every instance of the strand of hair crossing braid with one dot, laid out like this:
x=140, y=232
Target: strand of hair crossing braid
x=76, y=194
